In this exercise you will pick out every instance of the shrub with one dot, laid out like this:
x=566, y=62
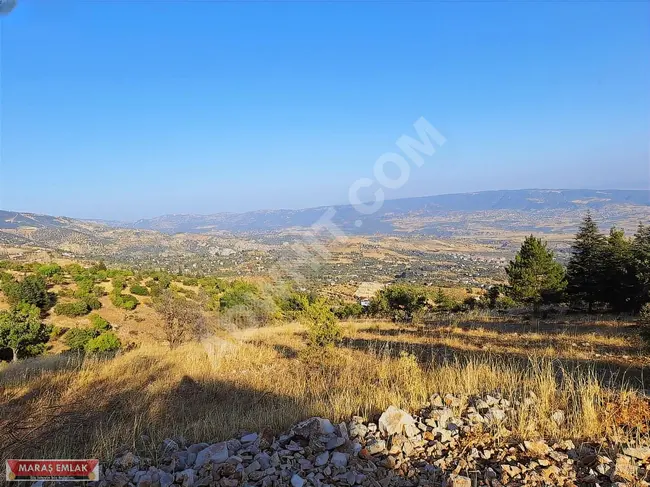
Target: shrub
x=49, y=270
x=139, y=290
x=106, y=342
x=31, y=290
x=505, y=302
x=323, y=328
x=190, y=281
x=240, y=293
x=400, y=301
x=445, y=302
x=78, y=308
x=348, y=311
x=124, y=301
x=99, y=323
x=92, y=302
x=78, y=338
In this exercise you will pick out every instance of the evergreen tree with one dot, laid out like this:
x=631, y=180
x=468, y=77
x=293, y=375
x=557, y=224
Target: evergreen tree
x=534, y=276
x=619, y=277
x=585, y=272
x=641, y=265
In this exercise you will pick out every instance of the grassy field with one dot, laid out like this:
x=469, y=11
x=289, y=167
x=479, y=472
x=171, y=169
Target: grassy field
x=63, y=405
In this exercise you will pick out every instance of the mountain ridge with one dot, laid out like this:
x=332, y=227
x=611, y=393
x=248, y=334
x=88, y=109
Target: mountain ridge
x=385, y=220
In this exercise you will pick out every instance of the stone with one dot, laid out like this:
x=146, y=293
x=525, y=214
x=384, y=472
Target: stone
x=455, y=480
x=394, y=420
x=165, y=479
x=322, y=459
x=217, y=453
x=334, y=442
x=558, y=417
x=253, y=467
x=126, y=461
x=375, y=447
x=642, y=453
x=357, y=430
x=623, y=470
x=537, y=449
x=297, y=480
x=250, y=438
x=339, y=459
x=186, y=478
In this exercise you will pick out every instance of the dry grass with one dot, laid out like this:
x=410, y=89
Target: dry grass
x=62, y=406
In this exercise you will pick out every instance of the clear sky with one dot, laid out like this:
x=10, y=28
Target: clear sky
x=131, y=109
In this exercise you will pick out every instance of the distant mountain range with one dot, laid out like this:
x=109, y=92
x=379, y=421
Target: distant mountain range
x=438, y=215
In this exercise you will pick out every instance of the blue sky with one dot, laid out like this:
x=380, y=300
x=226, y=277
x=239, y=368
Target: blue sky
x=131, y=109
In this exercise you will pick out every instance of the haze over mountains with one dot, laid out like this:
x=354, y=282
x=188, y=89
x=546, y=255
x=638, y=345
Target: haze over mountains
x=427, y=214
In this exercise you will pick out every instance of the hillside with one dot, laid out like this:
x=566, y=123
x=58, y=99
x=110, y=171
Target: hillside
x=440, y=215
x=390, y=218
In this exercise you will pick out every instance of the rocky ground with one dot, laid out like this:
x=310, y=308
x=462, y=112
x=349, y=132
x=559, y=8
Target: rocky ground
x=434, y=448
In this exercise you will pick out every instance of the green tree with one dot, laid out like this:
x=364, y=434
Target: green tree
x=534, y=276
x=31, y=290
x=586, y=269
x=619, y=280
x=641, y=266
x=22, y=331
x=398, y=300
x=322, y=326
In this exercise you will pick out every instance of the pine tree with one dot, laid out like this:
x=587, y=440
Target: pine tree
x=534, y=275
x=619, y=276
x=585, y=272
x=641, y=263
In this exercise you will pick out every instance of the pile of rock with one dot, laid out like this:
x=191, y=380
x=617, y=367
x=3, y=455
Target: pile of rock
x=449, y=443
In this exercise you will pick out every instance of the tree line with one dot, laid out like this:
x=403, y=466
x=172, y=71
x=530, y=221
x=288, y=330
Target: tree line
x=604, y=271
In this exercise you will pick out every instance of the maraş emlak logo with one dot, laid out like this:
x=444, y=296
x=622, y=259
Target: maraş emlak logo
x=58, y=470
x=6, y=6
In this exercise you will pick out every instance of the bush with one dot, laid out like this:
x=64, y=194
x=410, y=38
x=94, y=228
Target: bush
x=323, y=328
x=190, y=281
x=78, y=308
x=398, y=301
x=77, y=338
x=139, y=290
x=49, y=270
x=445, y=302
x=106, y=342
x=31, y=290
x=240, y=293
x=99, y=323
x=349, y=311
x=505, y=302
x=92, y=302
x=124, y=301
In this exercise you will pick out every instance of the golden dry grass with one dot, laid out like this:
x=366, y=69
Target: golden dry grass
x=62, y=406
